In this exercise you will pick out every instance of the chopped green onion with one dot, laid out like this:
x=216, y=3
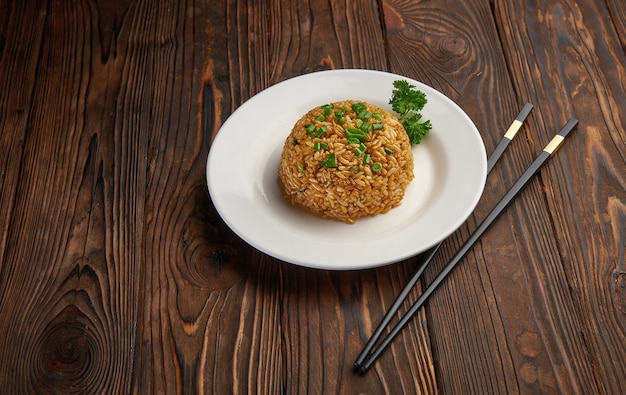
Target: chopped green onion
x=366, y=159
x=319, y=118
x=377, y=115
x=356, y=133
x=318, y=145
x=378, y=126
x=331, y=160
x=365, y=115
x=320, y=131
x=328, y=109
x=361, y=150
x=294, y=142
x=358, y=122
x=366, y=127
x=310, y=128
x=355, y=169
x=353, y=140
x=300, y=168
x=339, y=114
x=388, y=151
x=376, y=167
x=358, y=107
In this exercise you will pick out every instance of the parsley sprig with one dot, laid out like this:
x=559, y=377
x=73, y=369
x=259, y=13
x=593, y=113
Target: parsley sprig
x=407, y=101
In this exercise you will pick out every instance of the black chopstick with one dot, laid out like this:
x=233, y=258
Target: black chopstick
x=495, y=212
x=508, y=136
x=427, y=256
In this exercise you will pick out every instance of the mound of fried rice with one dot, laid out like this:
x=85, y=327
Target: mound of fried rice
x=322, y=171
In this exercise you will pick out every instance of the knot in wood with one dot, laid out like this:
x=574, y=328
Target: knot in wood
x=214, y=266
x=66, y=353
x=454, y=45
x=68, y=350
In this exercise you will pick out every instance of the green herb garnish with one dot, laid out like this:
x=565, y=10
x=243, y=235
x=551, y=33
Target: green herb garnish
x=318, y=145
x=408, y=101
x=360, y=150
x=331, y=161
x=358, y=107
x=320, y=131
x=328, y=109
x=354, y=133
x=364, y=115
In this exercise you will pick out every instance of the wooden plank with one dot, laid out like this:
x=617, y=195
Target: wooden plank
x=19, y=55
x=117, y=275
x=184, y=253
x=524, y=281
x=71, y=265
x=617, y=10
x=584, y=189
x=323, y=321
x=459, y=53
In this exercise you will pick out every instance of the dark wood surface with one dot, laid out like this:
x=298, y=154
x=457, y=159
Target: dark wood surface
x=118, y=276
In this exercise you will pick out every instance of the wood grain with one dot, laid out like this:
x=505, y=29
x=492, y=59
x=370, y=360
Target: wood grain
x=446, y=51
x=15, y=97
x=117, y=275
x=319, y=341
x=70, y=267
x=583, y=56
x=522, y=345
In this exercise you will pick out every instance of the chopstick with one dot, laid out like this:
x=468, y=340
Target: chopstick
x=508, y=136
x=427, y=256
x=542, y=158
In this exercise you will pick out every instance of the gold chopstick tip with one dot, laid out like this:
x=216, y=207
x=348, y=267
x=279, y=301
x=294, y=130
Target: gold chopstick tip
x=554, y=144
x=513, y=129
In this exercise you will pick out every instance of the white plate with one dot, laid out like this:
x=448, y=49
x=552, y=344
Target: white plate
x=450, y=172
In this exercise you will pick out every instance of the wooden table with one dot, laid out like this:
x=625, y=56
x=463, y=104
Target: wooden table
x=118, y=276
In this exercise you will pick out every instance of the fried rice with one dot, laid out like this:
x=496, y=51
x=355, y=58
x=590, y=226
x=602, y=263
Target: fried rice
x=346, y=160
